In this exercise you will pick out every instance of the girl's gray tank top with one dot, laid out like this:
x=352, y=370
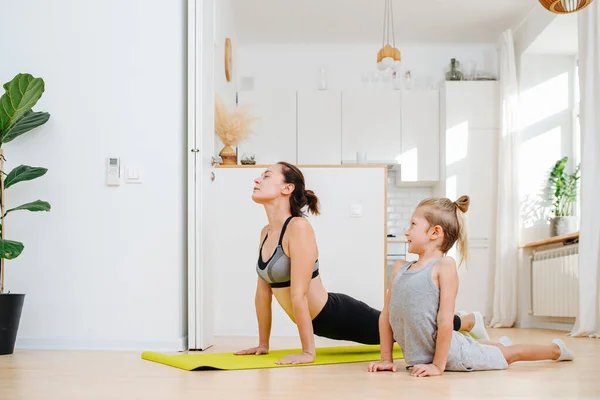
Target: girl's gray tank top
x=413, y=310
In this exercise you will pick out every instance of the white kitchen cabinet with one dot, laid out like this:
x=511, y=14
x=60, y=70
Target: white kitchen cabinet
x=469, y=139
x=420, y=159
x=474, y=172
x=319, y=127
x=371, y=122
x=274, y=137
x=475, y=291
x=483, y=182
x=475, y=104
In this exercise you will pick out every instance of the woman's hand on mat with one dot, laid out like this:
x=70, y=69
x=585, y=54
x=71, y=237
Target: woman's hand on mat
x=303, y=358
x=258, y=350
x=382, y=366
x=422, y=370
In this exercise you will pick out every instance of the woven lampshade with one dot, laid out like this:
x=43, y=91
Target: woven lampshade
x=387, y=52
x=565, y=6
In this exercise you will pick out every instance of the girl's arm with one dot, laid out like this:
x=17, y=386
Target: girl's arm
x=303, y=253
x=448, y=283
x=386, y=334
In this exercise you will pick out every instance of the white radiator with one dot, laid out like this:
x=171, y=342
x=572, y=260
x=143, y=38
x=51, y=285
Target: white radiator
x=554, y=282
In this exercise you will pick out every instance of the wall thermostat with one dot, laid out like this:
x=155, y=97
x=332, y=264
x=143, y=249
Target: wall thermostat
x=113, y=172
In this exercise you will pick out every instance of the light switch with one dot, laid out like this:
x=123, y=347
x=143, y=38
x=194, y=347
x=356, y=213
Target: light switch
x=133, y=175
x=356, y=211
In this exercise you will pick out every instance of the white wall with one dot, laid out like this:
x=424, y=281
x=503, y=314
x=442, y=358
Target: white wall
x=527, y=31
x=106, y=267
x=351, y=250
x=296, y=66
x=224, y=27
x=546, y=85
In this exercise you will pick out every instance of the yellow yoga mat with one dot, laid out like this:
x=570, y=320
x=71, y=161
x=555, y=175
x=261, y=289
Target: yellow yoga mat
x=229, y=361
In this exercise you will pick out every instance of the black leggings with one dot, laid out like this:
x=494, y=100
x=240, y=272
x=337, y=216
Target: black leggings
x=345, y=318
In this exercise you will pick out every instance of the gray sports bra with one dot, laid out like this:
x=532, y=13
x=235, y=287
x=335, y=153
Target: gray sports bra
x=276, y=271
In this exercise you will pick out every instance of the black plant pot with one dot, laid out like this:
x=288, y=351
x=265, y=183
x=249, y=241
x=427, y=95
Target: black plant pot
x=11, y=306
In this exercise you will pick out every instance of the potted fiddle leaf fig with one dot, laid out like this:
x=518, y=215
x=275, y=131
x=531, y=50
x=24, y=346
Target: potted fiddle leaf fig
x=563, y=191
x=16, y=118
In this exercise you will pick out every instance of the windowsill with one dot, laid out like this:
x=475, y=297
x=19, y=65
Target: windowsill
x=552, y=240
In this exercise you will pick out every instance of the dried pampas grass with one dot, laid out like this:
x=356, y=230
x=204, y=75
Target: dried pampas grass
x=232, y=126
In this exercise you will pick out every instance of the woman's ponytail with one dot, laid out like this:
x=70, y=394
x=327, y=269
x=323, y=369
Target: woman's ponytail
x=312, y=201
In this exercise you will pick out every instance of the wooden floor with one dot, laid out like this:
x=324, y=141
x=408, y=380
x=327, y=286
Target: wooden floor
x=121, y=375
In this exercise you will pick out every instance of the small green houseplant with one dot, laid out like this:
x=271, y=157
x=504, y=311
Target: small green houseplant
x=16, y=118
x=563, y=191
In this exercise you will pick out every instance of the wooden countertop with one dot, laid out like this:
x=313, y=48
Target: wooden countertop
x=552, y=240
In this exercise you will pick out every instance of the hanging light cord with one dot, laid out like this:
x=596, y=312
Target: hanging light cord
x=392, y=21
x=388, y=24
x=385, y=10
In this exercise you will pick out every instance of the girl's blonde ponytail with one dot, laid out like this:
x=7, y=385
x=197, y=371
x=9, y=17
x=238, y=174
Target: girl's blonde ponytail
x=462, y=243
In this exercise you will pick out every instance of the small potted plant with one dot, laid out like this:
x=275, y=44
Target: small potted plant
x=563, y=191
x=16, y=118
x=232, y=127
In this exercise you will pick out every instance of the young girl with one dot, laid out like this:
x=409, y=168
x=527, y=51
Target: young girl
x=419, y=305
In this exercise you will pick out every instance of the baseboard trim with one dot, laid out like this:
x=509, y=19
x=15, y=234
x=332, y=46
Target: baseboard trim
x=556, y=326
x=179, y=344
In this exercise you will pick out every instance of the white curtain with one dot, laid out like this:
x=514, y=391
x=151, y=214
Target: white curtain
x=507, y=211
x=588, y=318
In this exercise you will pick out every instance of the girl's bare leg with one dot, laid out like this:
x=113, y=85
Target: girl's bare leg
x=557, y=350
x=467, y=322
x=503, y=341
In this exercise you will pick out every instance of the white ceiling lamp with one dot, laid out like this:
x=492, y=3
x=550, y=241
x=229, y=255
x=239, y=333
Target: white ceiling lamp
x=389, y=56
x=565, y=6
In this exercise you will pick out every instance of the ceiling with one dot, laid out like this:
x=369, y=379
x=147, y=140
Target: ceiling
x=559, y=38
x=361, y=21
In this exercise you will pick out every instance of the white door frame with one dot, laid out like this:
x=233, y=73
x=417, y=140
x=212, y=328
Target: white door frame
x=200, y=149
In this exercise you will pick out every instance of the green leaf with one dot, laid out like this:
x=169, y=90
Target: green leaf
x=29, y=121
x=22, y=93
x=23, y=173
x=563, y=187
x=10, y=249
x=34, y=206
